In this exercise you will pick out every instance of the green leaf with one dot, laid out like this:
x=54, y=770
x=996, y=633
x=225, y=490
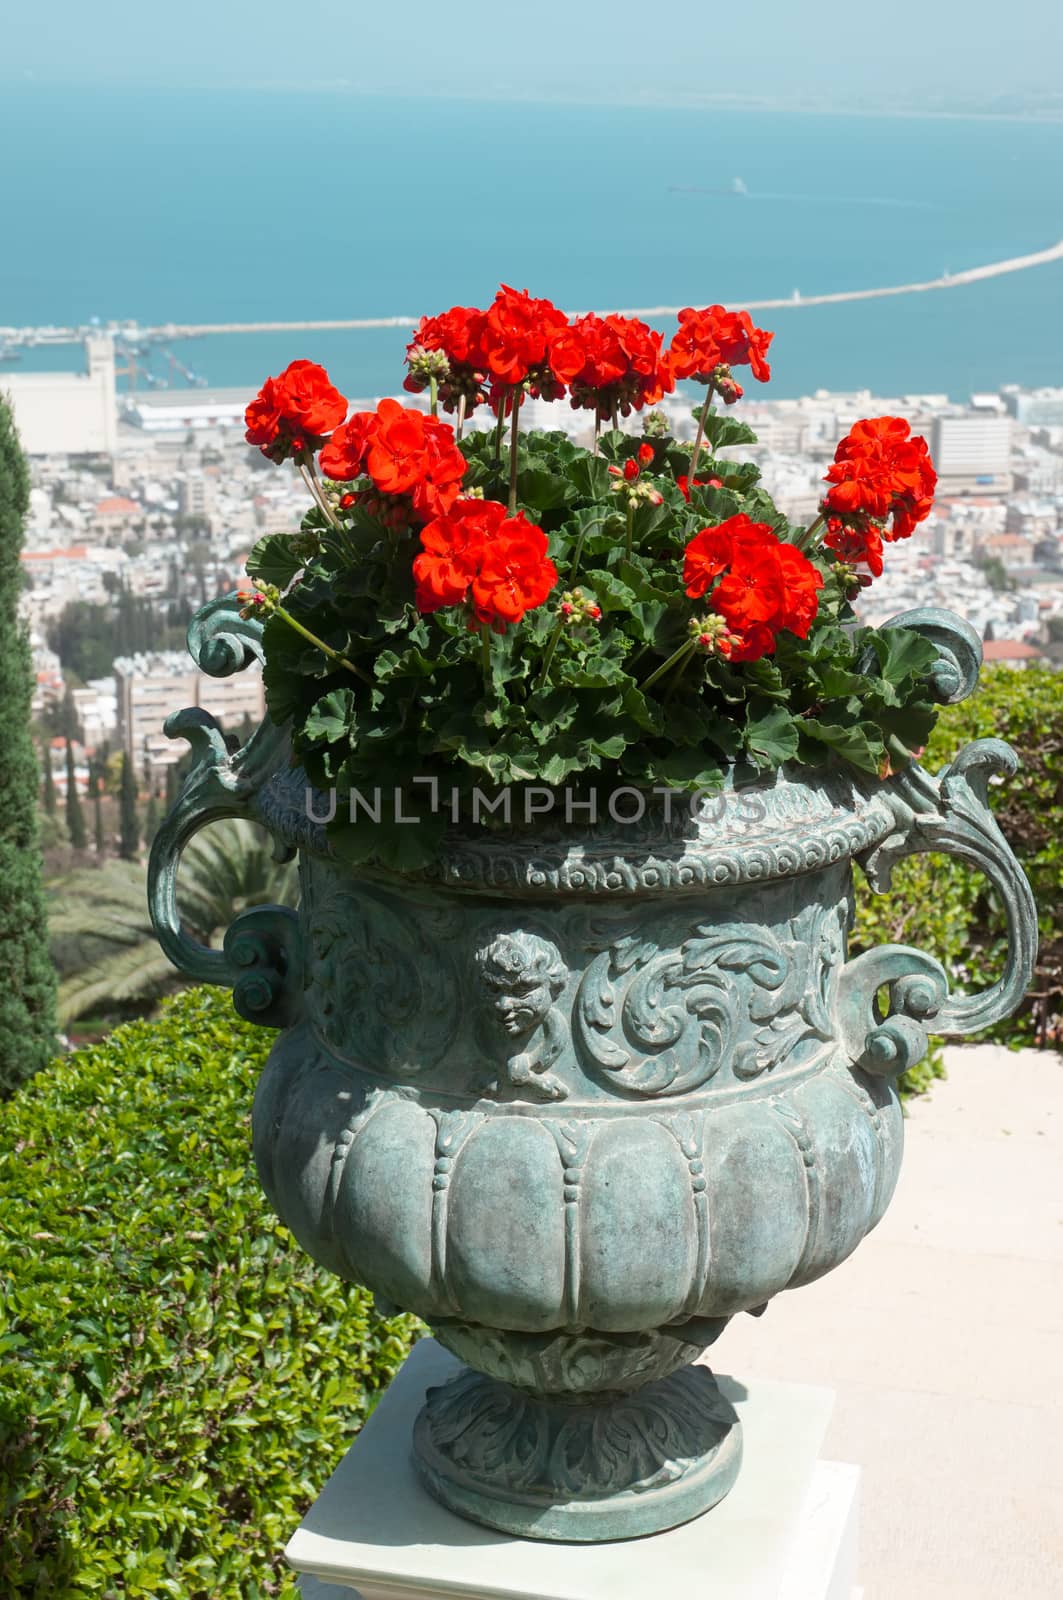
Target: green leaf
x=333, y=717
x=771, y=737
x=273, y=561
x=858, y=743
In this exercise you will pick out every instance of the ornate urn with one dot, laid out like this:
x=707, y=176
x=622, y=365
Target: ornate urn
x=577, y=1098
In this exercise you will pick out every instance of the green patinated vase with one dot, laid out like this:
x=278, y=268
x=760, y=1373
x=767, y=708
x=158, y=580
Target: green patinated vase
x=577, y=1097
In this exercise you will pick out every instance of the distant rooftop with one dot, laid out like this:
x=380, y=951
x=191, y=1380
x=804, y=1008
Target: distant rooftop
x=1010, y=650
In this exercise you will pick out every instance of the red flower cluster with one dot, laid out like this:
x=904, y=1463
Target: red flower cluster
x=292, y=415
x=605, y=363
x=404, y=453
x=758, y=584
x=457, y=334
x=478, y=553
x=617, y=365
x=879, y=471
x=712, y=338
x=518, y=340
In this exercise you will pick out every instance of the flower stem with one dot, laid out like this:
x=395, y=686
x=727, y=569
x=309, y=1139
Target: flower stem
x=513, y=454
x=559, y=626
x=616, y=416
x=577, y=554
x=433, y=395
x=804, y=540
x=499, y=426
x=310, y=478
x=709, y=392
x=685, y=651
x=630, y=529
x=597, y=430
x=459, y=426
x=319, y=644
x=485, y=655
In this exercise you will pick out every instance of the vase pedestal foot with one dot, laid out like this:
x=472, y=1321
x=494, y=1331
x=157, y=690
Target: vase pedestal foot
x=608, y=1467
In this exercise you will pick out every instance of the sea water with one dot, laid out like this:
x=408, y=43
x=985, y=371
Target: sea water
x=220, y=206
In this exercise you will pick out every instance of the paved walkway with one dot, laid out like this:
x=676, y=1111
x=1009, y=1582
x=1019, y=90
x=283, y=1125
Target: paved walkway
x=943, y=1337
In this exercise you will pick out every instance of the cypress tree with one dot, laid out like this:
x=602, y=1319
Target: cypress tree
x=151, y=819
x=49, y=779
x=173, y=784
x=69, y=726
x=27, y=994
x=75, y=820
x=97, y=820
x=128, y=827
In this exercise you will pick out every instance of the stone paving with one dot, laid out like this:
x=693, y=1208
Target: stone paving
x=943, y=1337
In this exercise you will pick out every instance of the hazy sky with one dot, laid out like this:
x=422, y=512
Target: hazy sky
x=621, y=49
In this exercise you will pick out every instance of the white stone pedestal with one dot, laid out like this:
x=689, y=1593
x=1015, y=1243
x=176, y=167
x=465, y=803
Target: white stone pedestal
x=787, y=1530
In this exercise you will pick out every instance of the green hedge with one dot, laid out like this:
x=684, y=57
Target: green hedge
x=177, y=1378
x=948, y=909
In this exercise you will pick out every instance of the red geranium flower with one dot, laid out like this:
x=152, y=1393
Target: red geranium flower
x=881, y=470
x=623, y=368
x=452, y=549
x=458, y=333
x=517, y=334
x=711, y=552
x=757, y=583
x=515, y=576
x=715, y=337
x=856, y=547
x=478, y=552
x=295, y=412
x=343, y=458
x=404, y=452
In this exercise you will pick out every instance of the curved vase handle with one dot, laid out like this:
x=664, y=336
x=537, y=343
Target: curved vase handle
x=259, y=959
x=950, y=814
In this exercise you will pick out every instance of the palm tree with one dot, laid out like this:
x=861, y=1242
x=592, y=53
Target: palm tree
x=102, y=941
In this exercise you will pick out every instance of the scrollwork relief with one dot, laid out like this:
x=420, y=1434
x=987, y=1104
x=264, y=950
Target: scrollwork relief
x=661, y=1016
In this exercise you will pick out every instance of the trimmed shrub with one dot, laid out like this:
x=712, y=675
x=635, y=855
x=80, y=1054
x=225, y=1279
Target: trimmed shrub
x=177, y=1378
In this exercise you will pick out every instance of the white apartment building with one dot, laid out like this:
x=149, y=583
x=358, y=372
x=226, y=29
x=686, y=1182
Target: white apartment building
x=972, y=453
x=151, y=685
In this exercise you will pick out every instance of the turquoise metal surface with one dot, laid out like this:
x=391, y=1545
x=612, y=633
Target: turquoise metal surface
x=577, y=1098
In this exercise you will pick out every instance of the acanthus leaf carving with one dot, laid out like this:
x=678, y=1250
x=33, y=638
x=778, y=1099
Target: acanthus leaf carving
x=660, y=1019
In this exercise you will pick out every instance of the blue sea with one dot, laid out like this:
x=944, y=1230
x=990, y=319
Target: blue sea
x=216, y=206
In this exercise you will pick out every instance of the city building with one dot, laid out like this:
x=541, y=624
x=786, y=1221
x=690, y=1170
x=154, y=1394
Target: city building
x=972, y=453
x=1034, y=407
x=151, y=685
x=68, y=413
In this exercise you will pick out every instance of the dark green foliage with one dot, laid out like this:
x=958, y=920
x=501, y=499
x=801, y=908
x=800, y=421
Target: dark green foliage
x=27, y=992
x=69, y=726
x=97, y=820
x=128, y=824
x=177, y=1379
x=87, y=637
x=49, y=779
x=947, y=909
x=75, y=817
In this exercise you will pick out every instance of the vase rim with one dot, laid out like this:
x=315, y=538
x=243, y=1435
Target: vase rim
x=782, y=824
